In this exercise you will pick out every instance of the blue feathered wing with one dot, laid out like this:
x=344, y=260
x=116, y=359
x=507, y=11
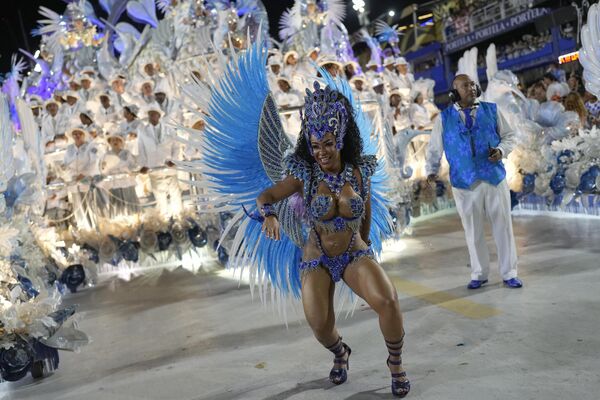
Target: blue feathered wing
x=242, y=150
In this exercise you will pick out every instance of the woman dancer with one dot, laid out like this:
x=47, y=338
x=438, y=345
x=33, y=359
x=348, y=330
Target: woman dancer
x=244, y=149
x=330, y=172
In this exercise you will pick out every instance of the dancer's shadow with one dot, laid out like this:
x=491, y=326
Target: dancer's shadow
x=324, y=384
x=371, y=395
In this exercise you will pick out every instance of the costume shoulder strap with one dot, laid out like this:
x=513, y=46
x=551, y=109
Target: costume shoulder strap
x=367, y=166
x=297, y=167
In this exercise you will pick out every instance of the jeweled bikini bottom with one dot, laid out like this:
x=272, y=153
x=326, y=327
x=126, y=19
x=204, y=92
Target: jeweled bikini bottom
x=335, y=265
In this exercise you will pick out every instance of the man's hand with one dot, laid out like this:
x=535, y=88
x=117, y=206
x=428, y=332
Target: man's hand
x=144, y=170
x=431, y=178
x=495, y=155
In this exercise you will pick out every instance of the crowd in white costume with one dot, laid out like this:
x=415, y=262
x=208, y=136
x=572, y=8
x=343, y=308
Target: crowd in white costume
x=127, y=111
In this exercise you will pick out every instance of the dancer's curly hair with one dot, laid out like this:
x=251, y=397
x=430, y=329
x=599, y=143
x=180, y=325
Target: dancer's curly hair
x=353, y=146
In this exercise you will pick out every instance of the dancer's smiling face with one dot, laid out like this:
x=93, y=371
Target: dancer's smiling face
x=325, y=153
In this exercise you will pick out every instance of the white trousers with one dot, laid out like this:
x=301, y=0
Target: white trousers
x=473, y=205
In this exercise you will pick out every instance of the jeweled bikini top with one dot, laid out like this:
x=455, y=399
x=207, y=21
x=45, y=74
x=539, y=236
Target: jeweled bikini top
x=320, y=207
x=323, y=206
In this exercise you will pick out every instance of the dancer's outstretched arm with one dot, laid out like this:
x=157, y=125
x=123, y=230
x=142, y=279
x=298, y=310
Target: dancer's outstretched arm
x=279, y=191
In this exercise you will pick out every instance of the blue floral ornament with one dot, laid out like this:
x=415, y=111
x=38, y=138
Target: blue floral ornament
x=52, y=277
x=224, y=218
x=20, y=189
x=16, y=361
x=43, y=352
x=558, y=183
x=60, y=316
x=197, y=236
x=73, y=277
x=394, y=216
x=164, y=240
x=129, y=250
x=179, y=233
x=92, y=253
x=440, y=188
x=564, y=157
x=27, y=286
x=587, y=182
x=223, y=255
x=528, y=183
x=14, y=188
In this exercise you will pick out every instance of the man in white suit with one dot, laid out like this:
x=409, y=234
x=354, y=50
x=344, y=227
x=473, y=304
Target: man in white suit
x=157, y=149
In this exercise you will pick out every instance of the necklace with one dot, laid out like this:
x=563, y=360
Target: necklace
x=335, y=182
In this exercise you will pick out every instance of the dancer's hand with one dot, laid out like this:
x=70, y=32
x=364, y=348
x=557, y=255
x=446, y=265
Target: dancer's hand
x=270, y=227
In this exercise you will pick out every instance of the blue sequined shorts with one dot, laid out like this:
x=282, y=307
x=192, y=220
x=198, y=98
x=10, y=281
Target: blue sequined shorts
x=335, y=265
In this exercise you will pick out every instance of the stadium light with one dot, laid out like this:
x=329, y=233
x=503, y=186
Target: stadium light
x=358, y=5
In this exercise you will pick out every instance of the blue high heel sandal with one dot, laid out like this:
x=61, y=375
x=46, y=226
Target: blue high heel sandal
x=338, y=376
x=400, y=384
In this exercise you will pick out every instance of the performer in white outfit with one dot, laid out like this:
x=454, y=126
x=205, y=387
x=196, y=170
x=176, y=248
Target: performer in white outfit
x=71, y=108
x=390, y=77
x=120, y=95
x=116, y=167
x=158, y=149
x=170, y=107
x=80, y=163
x=107, y=112
x=274, y=70
x=474, y=137
x=399, y=116
x=130, y=127
x=286, y=98
x=419, y=115
x=404, y=78
x=53, y=123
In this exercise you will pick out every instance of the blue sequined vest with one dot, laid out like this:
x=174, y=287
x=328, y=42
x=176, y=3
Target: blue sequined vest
x=467, y=150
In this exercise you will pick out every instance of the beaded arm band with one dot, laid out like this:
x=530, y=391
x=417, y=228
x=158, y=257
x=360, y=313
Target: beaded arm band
x=268, y=210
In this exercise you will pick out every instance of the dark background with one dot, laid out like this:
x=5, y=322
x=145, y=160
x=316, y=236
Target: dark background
x=18, y=18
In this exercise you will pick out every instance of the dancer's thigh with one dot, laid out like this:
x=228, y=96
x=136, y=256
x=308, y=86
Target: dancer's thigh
x=369, y=281
x=317, y=296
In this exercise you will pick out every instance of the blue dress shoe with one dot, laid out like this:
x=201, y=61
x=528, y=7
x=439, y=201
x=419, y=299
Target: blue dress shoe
x=513, y=283
x=475, y=284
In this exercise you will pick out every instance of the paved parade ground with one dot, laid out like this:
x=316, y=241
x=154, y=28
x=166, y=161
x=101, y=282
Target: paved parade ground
x=175, y=335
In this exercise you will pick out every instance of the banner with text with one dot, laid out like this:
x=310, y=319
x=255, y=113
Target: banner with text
x=495, y=29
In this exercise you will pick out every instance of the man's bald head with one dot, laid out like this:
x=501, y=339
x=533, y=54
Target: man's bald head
x=460, y=78
x=466, y=88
